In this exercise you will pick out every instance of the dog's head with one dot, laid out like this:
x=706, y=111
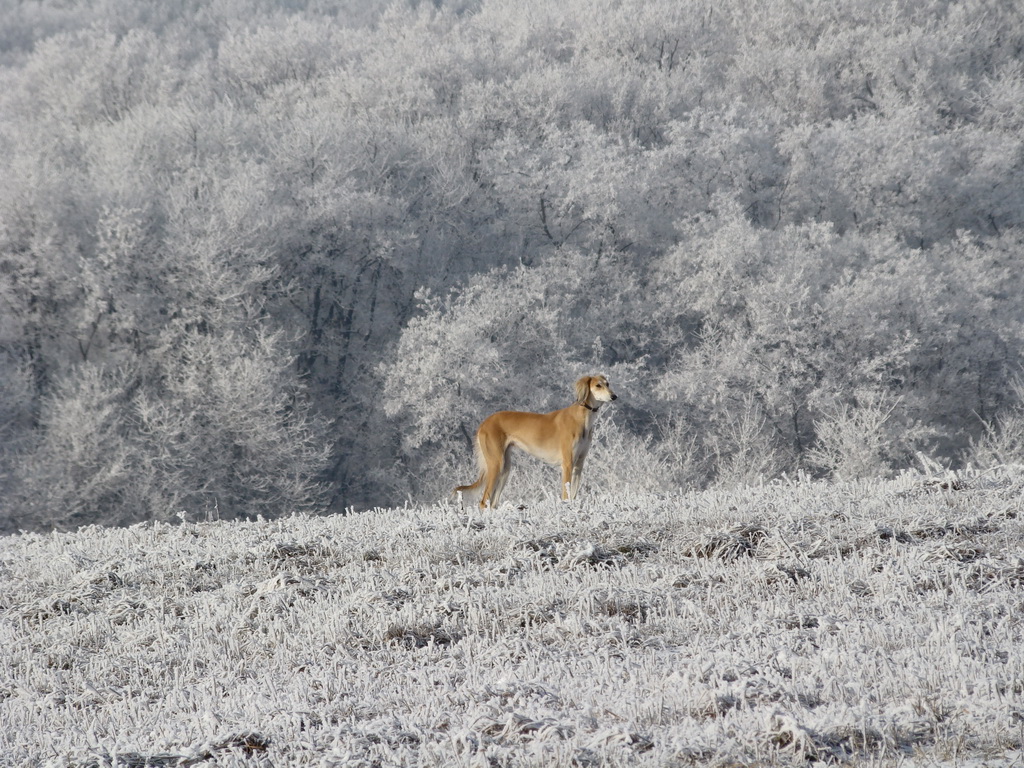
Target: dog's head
x=596, y=387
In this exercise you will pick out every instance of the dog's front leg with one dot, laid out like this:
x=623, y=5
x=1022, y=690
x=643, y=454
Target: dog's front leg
x=567, y=476
x=577, y=475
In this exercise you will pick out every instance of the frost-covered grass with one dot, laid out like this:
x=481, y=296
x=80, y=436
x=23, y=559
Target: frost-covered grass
x=873, y=623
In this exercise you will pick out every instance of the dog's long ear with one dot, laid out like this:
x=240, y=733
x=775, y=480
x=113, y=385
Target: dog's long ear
x=583, y=389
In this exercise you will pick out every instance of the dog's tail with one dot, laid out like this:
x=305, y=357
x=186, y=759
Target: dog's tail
x=473, y=487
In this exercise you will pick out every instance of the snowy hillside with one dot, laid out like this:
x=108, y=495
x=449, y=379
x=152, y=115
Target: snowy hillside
x=872, y=623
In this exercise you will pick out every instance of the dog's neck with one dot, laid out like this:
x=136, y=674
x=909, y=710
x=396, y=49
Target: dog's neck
x=589, y=407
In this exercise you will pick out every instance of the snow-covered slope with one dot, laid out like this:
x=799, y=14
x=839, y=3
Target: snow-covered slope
x=874, y=623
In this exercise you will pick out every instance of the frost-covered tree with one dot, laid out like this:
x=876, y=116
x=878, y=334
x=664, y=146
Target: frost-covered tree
x=219, y=430
x=812, y=324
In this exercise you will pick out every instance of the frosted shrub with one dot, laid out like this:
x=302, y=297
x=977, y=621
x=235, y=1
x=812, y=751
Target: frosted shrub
x=620, y=461
x=1003, y=439
x=1002, y=443
x=743, y=451
x=857, y=441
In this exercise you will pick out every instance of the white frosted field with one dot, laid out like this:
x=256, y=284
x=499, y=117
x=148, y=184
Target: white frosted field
x=874, y=623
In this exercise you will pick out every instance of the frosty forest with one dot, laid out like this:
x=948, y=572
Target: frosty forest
x=263, y=257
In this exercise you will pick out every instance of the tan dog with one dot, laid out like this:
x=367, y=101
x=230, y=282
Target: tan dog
x=559, y=437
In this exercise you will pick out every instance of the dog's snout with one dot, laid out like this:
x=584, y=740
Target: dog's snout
x=615, y=397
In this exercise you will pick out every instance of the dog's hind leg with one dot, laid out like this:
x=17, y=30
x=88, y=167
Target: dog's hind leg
x=506, y=467
x=493, y=455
